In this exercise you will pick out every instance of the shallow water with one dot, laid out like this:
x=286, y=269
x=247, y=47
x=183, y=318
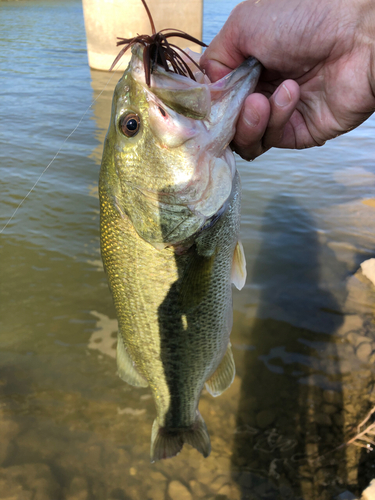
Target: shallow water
x=303, y=331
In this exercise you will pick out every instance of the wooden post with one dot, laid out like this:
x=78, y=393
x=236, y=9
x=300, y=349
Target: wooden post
x=107, y=19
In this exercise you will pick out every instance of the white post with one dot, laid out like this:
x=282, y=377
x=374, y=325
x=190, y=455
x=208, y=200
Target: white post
x=105, y=20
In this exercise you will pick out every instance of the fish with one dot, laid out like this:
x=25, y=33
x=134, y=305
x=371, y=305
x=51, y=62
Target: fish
x=170, y=197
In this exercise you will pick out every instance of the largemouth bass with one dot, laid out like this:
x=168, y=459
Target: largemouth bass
x=170, y=215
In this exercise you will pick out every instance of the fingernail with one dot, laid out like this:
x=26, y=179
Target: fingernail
x=251, y=117
x=282, y=96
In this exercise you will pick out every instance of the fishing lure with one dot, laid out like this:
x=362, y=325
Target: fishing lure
x=158, y=50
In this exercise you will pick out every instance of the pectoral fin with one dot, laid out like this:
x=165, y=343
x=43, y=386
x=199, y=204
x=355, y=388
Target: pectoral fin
x=125, y=366
x=223, y=376
x=239, y=267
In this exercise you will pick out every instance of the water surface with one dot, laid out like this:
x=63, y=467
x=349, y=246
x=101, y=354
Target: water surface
x=303, y=331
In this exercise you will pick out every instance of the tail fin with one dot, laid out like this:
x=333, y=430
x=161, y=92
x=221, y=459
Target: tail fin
x=166, y=443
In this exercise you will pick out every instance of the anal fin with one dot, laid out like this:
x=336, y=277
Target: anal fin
x=239, y=267
x=125, y=366
x=223, y=376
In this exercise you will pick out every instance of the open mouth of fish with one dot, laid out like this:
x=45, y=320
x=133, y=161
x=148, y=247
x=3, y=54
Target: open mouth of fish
x=212, y=110
x=193, y=121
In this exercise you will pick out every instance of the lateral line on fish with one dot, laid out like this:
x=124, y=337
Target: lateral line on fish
x=56, y=155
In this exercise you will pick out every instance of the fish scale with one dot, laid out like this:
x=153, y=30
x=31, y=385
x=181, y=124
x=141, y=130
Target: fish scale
x=141, y=278
x=169, y=266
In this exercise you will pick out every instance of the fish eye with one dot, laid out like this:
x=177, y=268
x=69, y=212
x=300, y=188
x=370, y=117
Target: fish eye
x=129, y=124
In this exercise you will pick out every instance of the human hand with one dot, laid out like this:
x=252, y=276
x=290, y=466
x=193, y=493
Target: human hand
x=319, y=70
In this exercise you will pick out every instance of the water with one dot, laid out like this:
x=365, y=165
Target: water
x=303, y=332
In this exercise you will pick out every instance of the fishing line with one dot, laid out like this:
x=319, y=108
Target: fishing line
x=56, y=155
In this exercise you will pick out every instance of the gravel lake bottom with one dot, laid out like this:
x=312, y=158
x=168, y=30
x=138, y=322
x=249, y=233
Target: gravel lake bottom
x=303, y=335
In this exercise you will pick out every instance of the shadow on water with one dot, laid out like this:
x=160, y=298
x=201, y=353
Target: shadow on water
x=291, y=405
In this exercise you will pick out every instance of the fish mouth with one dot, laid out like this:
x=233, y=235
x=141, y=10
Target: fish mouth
x=199, y=118
x=196, y=97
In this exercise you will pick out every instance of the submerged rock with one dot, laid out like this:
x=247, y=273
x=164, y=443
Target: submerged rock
x=369, y=493
x=364, y=351
x=28, y=482
x=368, y=269
x=346, y=495
x=78, y=489
x=265, y=418
x=177, y=491
x=8, y=431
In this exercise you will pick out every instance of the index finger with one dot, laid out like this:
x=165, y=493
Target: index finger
x=223, y=54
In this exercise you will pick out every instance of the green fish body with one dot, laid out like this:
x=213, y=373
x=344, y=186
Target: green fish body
x=170, y=214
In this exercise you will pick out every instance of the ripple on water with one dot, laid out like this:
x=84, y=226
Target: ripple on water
x=303, y=334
